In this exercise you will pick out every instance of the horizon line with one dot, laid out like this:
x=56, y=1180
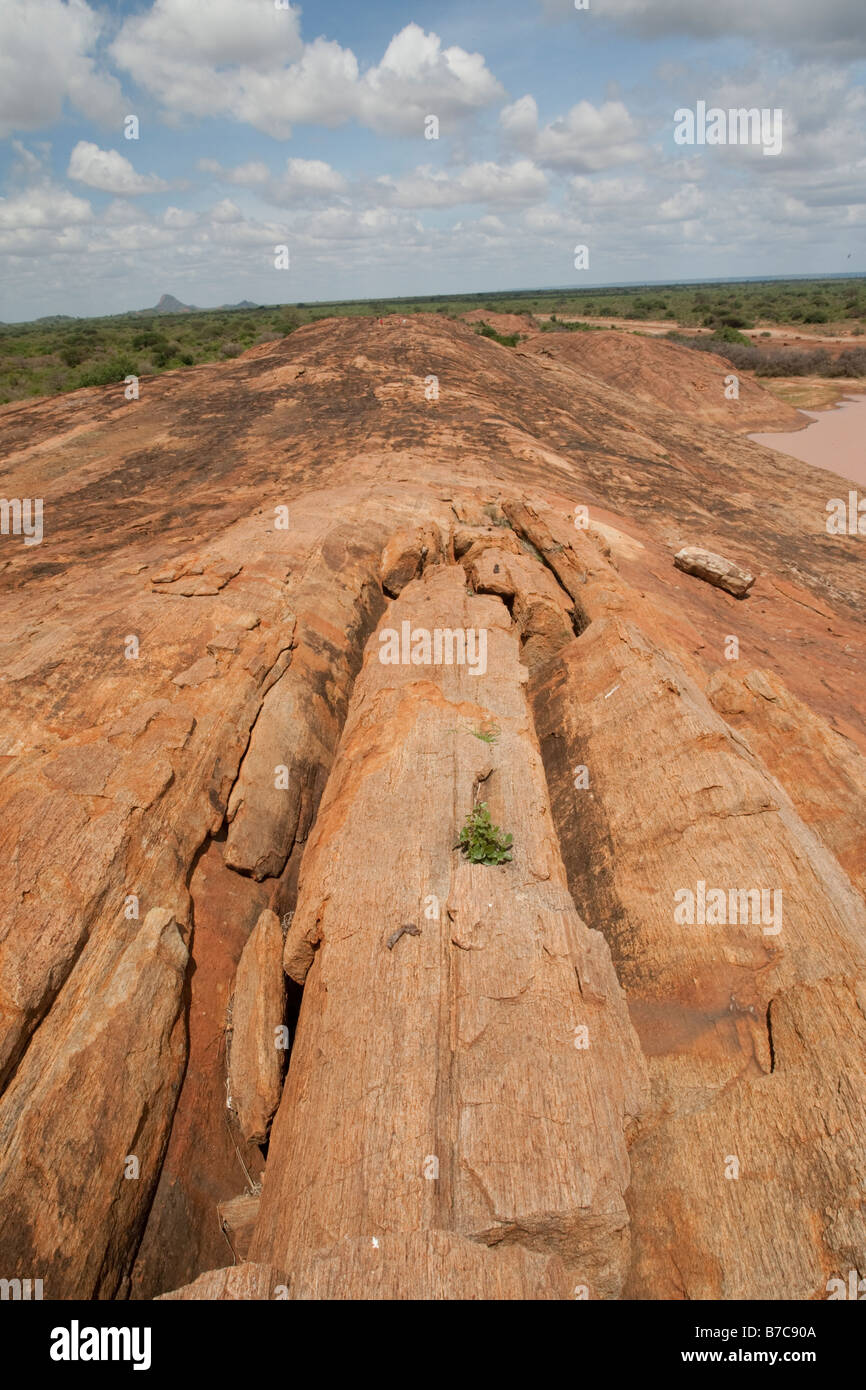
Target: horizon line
x=459, y=294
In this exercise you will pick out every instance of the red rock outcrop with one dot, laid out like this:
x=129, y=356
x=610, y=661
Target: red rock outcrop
x=629, y=1061
x=471, y=1140
x=702, y=385
x=112, y=1136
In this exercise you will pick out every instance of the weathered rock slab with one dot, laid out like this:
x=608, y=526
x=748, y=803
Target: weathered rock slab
x=715, y=569
x=256, y=1054
x=130, y=1025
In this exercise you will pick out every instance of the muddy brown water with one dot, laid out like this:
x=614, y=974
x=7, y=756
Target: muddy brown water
x=836, y=441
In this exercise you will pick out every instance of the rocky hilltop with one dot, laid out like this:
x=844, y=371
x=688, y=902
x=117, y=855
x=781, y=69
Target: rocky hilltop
x=265, y=1029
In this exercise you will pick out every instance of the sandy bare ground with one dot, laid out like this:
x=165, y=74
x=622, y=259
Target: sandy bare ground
x=782, y=335
x=812, y=392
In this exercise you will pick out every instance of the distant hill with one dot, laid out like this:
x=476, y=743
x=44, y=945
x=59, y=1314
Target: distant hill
x=169, y=305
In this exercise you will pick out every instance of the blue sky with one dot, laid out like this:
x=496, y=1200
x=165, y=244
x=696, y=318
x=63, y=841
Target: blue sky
x=304, y=126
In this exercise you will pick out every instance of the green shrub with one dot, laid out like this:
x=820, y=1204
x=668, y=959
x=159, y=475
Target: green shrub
x=149, y=339
x=104, y=373
x=506, y=339
x=729, y=334
x=481, y=841
x=577, y=326
x=73, y=354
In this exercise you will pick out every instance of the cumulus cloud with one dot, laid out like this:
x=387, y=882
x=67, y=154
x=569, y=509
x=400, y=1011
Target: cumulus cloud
x=586, y=139
x=300, y=184
x=311, y=175
x=46, y=59
x=418, y=77
x=48, y=206
x=382, y=225
x=110, y=172
x=248, y=61
x=301, y=181
x=486, y=182
x=189, y=55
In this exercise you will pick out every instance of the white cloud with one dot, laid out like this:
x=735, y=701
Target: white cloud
x=226, y=211
x=191, y=56
x=220, y=33
x=351, y=225
x=302, y=180
x=247, y=61
x=46, y=59
x=320, y=89
x=47, y=206
x=178, y=218
x=120, y=213
x=609, y=193
x=418, y=77
x=486, y=182
x=586, y=139
x=686, y=204
x=110, y=172
x=311, y=175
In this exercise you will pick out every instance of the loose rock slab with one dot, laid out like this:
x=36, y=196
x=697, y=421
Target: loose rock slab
x=255, y=1061
x=715, y=569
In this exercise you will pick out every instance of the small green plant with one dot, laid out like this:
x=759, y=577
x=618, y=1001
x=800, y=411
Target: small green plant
x=488, y=732
x=481, y=841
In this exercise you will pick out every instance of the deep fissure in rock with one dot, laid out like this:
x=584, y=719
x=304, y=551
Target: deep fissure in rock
x=206, y=1160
